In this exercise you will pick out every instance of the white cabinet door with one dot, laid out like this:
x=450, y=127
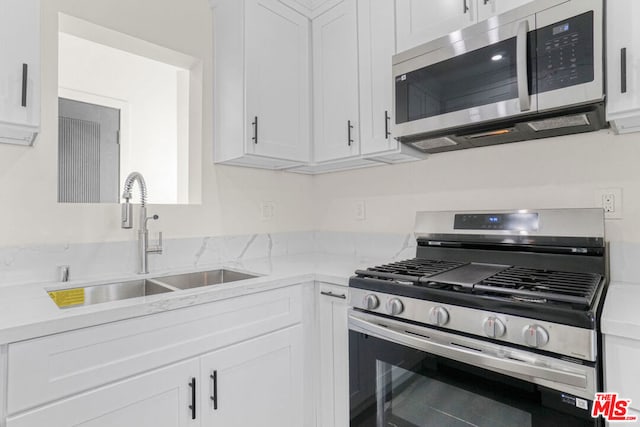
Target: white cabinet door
x=420, y=21
x=489, y=8
x=623, y=65
x=334, y=356
x=335, y=59
x=376, y=38
x=277, y=81
x=157, y=399
x=621, y=364
x=255, y=383
x=19, y=70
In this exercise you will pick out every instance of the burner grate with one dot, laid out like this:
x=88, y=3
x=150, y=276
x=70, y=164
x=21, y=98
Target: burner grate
x=409, y=270
x=521, y=282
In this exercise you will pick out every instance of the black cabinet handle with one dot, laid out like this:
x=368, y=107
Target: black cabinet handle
x=623, y=70
x=214, y=398
x=349, y=127
x=486, y=2
x=331, y=294
x=192, y=384
x=387, y=118
x=255, y=130
x=25, y=75
x=465, y=7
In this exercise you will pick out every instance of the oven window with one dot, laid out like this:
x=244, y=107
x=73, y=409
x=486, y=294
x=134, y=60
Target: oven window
x=480, y=77
x=420, y=400
x=392, y=385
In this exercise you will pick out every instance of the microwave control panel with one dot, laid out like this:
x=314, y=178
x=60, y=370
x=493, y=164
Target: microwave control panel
x=565, y=53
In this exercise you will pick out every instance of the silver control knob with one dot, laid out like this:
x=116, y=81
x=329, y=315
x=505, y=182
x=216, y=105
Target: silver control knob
x=395, y=307
x=535, y=336
x=438, y=316
x=371, y=302
x=493, y=327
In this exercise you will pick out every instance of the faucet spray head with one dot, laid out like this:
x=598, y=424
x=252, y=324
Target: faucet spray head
x=127, y=214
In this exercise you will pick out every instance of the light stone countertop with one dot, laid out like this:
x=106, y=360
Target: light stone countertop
x=27, y=311
x=621, y=314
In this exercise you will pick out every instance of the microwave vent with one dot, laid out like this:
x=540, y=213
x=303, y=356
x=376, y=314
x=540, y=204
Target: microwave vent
x=430, y=144
x=560, y=122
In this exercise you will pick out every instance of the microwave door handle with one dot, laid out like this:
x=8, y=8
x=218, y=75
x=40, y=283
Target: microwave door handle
x=521, y=66
x=461, y=354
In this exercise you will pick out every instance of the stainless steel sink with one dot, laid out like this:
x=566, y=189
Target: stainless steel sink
x=203, y=278
x=97, y=294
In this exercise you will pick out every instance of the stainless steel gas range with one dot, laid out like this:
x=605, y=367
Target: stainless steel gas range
x=494, y=323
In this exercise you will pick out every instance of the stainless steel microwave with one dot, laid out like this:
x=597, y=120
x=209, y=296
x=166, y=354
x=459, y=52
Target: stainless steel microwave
x=534, y=72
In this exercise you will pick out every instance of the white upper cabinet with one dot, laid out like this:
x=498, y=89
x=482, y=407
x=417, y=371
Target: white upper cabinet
x=19, y=71
x=311, y=8
x=419, y=21
x=377, y=45
x=489, y=8
x=335, y=83
x=261, y=84
x=623, y=65
x=277, y=75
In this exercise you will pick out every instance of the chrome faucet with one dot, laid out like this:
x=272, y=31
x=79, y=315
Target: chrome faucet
x=143, y=232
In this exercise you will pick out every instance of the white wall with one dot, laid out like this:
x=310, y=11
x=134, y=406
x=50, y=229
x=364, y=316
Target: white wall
x=231, y=197
x=551, y=173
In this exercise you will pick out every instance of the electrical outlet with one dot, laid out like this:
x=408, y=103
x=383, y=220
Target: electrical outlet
x=610, y=199
x=361, y=210
x=267, y=211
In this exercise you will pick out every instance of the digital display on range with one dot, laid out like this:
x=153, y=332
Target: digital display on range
x=516, y=222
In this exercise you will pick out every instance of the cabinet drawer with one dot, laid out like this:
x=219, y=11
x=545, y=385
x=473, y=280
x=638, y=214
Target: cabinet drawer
x=52, y=367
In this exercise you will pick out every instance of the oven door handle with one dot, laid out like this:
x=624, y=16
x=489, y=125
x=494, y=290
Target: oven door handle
x=359, y=322
x=522, y=66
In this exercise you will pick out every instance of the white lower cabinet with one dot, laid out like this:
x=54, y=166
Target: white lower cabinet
x=235, y=362
x=621, y=365
x=255, y=383
x=333, y=354
x=159, y=398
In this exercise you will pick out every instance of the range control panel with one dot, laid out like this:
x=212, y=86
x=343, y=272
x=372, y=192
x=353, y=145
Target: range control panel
x=499, y=221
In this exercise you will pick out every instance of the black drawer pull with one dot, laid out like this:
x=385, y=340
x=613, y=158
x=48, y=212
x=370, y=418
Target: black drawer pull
x=192, y=384
x=255, y=130
x=25, y=77
x=465, y=8
x=387, y=119
x=349, y=127
x=214, y=398
x=623, y=70
x=331, y=294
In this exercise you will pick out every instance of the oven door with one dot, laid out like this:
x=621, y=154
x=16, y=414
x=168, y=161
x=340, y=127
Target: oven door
x=405, y=375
